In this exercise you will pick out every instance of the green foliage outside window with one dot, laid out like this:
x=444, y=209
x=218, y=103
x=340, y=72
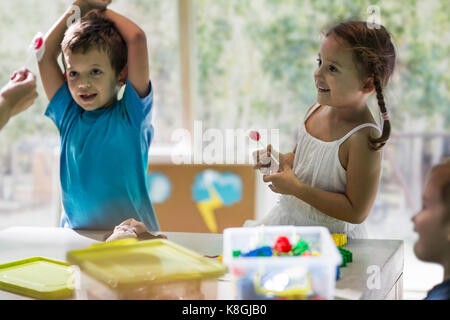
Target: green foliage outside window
x=256, y=60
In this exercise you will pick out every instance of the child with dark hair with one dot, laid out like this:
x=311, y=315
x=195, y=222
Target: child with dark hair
x=104, y=141
x=331, y=178
x=432, y=223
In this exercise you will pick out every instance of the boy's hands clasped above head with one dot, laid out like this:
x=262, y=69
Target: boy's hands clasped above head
x=97, y=4
x=86, y=6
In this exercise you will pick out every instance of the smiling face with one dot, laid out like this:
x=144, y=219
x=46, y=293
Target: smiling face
x=432, y=222
x=337, y=78
x=92, y=80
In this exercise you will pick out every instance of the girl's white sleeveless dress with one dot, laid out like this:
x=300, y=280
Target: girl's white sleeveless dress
x=317, y=164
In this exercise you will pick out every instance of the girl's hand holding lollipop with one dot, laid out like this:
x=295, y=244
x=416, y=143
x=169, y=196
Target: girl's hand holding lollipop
x=266, y=159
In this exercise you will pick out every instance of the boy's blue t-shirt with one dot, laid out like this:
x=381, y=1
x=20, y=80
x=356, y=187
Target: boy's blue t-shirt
x=103, y=165
x=439, y=292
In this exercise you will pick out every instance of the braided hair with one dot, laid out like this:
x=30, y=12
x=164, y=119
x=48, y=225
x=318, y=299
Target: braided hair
x=374, y=54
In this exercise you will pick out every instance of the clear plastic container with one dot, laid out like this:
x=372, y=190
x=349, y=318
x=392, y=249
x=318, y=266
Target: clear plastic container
x=281, y=277
x=137, y=270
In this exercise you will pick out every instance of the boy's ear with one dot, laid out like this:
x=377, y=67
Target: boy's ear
x=368, y=85
x=122, y=78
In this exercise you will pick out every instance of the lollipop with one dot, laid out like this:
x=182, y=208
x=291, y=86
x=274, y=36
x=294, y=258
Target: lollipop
x=255, y=136
x=36, y=48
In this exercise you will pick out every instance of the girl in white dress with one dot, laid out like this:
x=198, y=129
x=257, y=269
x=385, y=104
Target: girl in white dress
x=331, y=178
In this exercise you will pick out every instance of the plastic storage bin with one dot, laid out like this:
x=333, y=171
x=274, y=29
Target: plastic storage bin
x=151, y=269
x=281, y=277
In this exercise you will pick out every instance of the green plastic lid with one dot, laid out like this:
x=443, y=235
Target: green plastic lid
x=37, y=277
x=129, y=263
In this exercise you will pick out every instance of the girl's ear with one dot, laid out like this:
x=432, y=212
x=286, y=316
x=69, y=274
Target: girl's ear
x=368, y=86
x=122, y=78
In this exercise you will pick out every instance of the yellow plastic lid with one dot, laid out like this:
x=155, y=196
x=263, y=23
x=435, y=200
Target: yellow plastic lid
x=37, y=277
x=128, y=263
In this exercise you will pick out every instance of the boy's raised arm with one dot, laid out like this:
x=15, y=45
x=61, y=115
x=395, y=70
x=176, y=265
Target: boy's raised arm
x=51, y=74
x=138, y=66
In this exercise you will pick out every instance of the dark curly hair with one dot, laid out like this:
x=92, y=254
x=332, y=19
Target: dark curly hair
x=374, y=54
x=94, y=31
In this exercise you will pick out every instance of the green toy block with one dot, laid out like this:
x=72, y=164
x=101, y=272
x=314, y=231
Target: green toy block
x=300, y=247
x=347, y=256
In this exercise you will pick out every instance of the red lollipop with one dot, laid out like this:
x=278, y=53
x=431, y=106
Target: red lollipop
x=38, y=42
x=254, y=135
x=36, y=48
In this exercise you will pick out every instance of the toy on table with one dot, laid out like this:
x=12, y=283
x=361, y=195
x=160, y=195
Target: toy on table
x=283, y=274
x=347, y=256
x=300, y=248
x=341, y=240
x=264, y=251
x=281, y=247
x=236, y=253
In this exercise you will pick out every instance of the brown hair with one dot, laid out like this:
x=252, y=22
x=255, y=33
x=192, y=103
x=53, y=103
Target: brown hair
x=93, y=31
x=443, y=170
x=374, y=54
x=445, y=194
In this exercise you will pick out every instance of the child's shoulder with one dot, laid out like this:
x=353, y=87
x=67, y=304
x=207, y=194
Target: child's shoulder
x=371, y=131
x=364, y=130
x=360, y=140
x=315, y=104
x=365, y=127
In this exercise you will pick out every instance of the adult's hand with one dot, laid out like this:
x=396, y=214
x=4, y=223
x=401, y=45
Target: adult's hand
x=18, y=95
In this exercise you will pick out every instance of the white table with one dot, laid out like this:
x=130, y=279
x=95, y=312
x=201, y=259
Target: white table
x=375, y=273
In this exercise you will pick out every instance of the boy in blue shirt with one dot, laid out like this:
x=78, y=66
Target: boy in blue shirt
x=104, y=142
